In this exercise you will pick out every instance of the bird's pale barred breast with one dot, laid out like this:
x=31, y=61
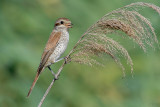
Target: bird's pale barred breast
x=60, y=48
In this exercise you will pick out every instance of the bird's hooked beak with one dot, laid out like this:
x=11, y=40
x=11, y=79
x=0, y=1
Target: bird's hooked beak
x=69, y=25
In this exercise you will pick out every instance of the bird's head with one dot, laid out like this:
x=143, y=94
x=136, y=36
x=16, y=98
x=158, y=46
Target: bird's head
x=63, y=23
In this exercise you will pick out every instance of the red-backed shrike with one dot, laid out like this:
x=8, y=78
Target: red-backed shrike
x=55, y=47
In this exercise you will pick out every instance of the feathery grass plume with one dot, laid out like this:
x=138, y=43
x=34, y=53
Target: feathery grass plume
x=95, y=41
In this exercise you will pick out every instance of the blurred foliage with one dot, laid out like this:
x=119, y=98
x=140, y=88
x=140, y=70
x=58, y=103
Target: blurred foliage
x=25, y=26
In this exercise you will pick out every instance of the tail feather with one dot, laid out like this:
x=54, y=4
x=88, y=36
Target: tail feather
x=35, y=80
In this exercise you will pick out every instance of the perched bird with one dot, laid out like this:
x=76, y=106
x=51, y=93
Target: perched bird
x=55, y=47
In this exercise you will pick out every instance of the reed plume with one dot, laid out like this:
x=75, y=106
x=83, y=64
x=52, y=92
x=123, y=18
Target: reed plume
x=96, y=42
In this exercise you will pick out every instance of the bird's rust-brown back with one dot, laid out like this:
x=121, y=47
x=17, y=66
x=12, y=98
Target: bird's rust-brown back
x=50, y=47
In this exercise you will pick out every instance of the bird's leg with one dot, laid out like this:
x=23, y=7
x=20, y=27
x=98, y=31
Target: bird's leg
x=62, y=59
x=65, y=58
x=59, y=59
x=55, y=76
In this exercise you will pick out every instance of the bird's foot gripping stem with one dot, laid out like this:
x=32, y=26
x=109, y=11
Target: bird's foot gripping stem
x=67, y=59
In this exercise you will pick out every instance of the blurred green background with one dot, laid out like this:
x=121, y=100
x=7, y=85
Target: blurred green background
x=25, y=26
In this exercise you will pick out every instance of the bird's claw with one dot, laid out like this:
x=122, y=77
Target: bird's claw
x=55, y=77
x=67, y=59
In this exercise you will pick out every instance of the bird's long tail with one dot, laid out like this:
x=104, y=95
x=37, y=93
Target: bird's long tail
x=34, y=82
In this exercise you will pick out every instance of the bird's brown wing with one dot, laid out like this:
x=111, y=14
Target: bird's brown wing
x=50, y=46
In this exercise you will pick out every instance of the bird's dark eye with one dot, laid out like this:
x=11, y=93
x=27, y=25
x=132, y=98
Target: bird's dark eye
x=61, y=22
